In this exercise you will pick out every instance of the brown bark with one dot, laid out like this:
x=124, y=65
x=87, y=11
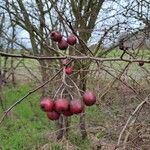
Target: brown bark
x=13, y=73
x=60, y=126
x=63, y=127
x=87, y=22
x=1, y=94
x=82, y=86
x=83, y=126
x=45, y=76
x=64, y=122
x=67, y=122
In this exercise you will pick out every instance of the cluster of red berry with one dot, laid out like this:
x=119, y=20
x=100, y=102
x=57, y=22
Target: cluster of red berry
x=63, y=106
x=63, y=43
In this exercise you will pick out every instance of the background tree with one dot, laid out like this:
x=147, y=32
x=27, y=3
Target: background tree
x=98, y=26
x=79, y=17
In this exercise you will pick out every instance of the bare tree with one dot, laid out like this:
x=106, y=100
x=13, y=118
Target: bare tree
x=136, y=13
x=81, y=18
x=40, y=17
x=1, y=73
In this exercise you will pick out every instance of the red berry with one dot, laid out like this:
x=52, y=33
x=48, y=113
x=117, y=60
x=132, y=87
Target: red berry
x=69, y=70
x=89, y=98
x=56, y=36
x=61, y=105
x=76, y=106
x=71, y=40
x=53, y=115
x=47, y=104
x=63, y=45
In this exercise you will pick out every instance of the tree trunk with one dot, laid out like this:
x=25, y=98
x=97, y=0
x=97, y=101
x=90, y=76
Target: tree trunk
x=64, y=122
x=1, y=94
x=81, y=81
x=67, y=122
x=60, y=126
x=45, y=77
x=13, y=73
x=82, y=86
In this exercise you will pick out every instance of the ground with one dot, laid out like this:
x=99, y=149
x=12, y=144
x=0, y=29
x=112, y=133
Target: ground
x=27, y=127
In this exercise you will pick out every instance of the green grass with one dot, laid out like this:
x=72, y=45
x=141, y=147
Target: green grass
x=142, y=53
x=27, y=126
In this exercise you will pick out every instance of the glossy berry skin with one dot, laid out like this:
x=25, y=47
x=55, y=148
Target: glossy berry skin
x=141, y=63
x=76, y=106
x=89, y=98
x=53, y=115
x=47, y=104
x=68, y=70
x=72, y=40
x=56, y=36
x=61, y=105
x=63, y=45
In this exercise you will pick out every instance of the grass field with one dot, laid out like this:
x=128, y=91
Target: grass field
x=27, y=127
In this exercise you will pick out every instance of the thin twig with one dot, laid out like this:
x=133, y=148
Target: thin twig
x=58, y=90
x=72, y=57
x=29, y=93
x=64, y=79
x=77, y=88
x=130, y=117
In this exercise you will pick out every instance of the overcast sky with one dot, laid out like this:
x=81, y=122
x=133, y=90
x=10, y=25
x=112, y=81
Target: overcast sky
x=23, y=36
